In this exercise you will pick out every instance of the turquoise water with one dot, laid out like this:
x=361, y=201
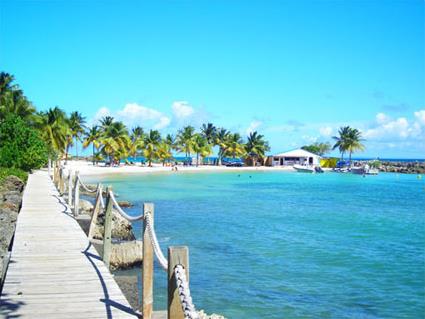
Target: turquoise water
x=291, y=245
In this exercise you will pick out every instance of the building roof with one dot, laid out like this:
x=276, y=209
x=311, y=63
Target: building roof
x=297, y=153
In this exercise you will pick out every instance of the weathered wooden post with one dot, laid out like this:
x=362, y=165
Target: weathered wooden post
x=49, y=167
x=70, y=188
x=177, y=255
x=96, y=210
x=61, y=181
x=147, y=267
x=107, y=229
x=76, y=193
x=54, y=172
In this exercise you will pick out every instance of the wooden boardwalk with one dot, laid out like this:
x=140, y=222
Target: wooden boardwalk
x=54, y=272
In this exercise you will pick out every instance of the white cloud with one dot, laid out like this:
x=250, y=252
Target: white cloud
x=387, y=129
x=102, y=112
x=382, y=118
x=420, y=117
x=163, y=123
x=133, y=114
x=253, y=127
x=182, y=109
x=326, y=131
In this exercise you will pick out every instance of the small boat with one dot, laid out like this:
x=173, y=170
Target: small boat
x=364, y=170
x=308, y=169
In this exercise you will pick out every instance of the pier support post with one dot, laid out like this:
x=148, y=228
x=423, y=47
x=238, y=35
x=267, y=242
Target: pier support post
x=96, y=210
x=107, y=229
x=76, y=193
x=147, y=266
x=177, y=255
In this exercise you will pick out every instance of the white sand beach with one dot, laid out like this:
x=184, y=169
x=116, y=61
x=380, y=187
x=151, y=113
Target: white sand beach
x=87, y=168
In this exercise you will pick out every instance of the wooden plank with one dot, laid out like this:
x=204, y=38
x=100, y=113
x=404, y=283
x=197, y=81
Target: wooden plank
x=147, y=266
x=54, y=273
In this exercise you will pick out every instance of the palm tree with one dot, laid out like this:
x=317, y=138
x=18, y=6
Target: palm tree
x=209, y=131
x=106, y=121
x=92, y=136
x=136, y=137
x=341, y=140
x=234, y=145
x=164, y=152
x=77, y=126
x=221, y=137
x=114, y=140
x=54, y=128
x=201, y=147
x=354, y=142
x=185, y=140
x=12, y=99
x=256, y=147
x=152, y=141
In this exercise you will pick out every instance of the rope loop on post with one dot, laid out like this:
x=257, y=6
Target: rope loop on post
x=184, y=293
x=155, y=244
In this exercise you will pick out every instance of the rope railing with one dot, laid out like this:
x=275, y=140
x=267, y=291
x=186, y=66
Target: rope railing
x=184, y=293
x=155, y=244
x=84, y=186
x=180, y=304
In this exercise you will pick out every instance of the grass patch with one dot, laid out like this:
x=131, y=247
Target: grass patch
x=5, y=172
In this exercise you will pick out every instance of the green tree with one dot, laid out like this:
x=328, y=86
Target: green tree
x=54, y=129
x=342, y=140
x=185, y=140
x=354, y=142
x=21, y=146
x=318, y=148
x=209, y=131
x=152, y=141
x=92, y=136
x=114, y=140
x=77, y=127
x=221, y=138
x=201, y=147
x=256, y=147
x=234, y=145
x=164, y=152
x=137, y=140
x=12, y=99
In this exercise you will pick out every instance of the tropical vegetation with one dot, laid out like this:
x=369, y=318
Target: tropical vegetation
x=348, y=140
x=54, y=133
x=318, y=148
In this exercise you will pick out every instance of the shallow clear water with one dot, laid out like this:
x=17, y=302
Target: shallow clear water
x=279, y=244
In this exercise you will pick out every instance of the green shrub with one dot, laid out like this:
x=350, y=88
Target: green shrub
x=20, y=145
x=5, y=172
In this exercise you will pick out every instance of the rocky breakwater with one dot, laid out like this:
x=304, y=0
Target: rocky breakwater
x=126, y=250
x=10, y=203
x=403, y=167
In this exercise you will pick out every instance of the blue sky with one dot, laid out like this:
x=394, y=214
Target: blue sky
x=293, y=70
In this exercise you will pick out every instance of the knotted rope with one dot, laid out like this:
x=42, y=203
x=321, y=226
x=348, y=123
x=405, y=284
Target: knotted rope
x=184, y=293
x=155, y=244
x=123, y=213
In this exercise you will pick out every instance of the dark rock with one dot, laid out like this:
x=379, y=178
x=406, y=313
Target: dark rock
x=125, y=203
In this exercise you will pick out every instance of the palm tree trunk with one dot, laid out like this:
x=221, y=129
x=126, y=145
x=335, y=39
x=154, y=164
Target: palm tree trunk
x=66, y=153
x=197, y=159
x=76, y=147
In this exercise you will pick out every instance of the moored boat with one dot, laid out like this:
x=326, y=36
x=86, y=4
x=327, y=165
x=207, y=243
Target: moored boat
x=308, y=169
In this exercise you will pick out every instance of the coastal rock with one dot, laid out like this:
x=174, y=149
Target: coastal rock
x=125, y=204
x=126, y=254
x=86, y=206
x=121, y=227
x=10, y=203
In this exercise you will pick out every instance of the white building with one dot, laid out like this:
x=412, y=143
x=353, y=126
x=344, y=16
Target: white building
x=299, y=156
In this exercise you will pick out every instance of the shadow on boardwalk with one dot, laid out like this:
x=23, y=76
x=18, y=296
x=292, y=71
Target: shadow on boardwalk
x=108, y=302
x=9, y=307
